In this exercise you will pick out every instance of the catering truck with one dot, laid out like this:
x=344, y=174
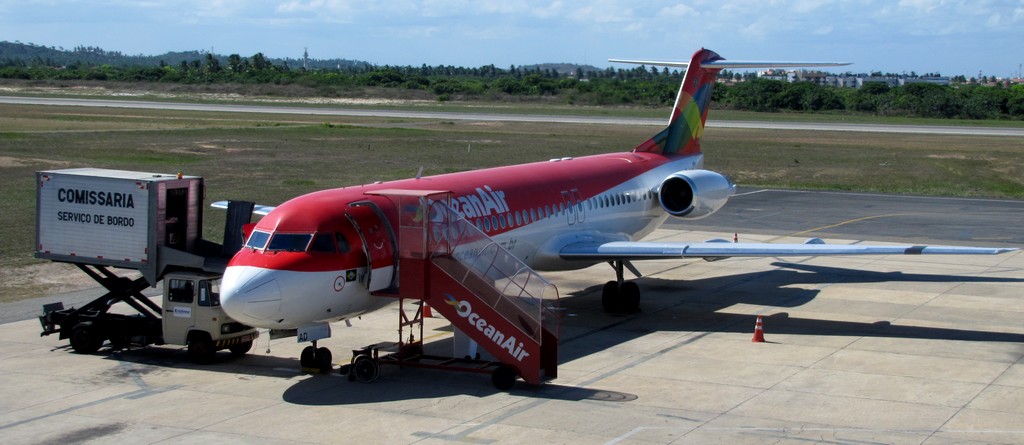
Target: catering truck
x=99, y=220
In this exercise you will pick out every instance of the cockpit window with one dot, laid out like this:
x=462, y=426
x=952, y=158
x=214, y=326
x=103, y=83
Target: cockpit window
x=342, y=243
x=290, y=242
x=258, y=240
x=323, y=243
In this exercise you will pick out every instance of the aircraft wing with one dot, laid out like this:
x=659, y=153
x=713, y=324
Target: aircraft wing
x=637, y=250
x=261, y=210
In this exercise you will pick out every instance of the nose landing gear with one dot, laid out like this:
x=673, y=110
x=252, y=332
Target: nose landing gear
x=314, y=359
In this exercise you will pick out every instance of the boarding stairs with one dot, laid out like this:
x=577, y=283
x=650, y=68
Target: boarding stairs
x=488, y=294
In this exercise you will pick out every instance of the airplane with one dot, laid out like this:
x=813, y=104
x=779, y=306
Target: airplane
x=320, y=257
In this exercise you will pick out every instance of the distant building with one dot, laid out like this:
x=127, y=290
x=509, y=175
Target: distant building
x=847, y=80
x=891, y=81
x=782, y=75
x=931, y=80
x=815, y=77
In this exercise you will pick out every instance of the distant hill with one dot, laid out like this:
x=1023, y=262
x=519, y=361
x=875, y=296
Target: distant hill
x=30, y=54
x=17, y=53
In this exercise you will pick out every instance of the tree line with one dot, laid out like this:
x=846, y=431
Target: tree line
x=645, y=86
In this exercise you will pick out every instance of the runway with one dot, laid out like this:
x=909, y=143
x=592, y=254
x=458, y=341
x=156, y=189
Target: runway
x=498, y=117
x=907, y=349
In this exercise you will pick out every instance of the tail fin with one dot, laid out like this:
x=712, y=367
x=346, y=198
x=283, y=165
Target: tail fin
x=686, y=126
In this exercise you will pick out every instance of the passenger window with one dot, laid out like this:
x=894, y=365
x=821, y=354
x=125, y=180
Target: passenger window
x=323, y=243
x=180, y=291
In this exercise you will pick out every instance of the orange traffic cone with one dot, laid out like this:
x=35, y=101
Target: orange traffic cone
x=758, y=331
x=426, y=311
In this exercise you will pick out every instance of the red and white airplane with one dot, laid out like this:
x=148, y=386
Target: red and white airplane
x=316, y=258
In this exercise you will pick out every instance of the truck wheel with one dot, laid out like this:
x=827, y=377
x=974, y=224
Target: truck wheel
x=200, y=348
x=240, y=349
x=85, y=339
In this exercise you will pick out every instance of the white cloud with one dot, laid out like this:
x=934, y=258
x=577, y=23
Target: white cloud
x=601, y=11
x=554, y=9
x=824, y=30
x=922, y=6
x=806, y=6
x=680, y=10
x=634, y=27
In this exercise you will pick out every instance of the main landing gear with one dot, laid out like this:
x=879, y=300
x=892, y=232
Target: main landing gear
x=620, y=296
x=314, y=358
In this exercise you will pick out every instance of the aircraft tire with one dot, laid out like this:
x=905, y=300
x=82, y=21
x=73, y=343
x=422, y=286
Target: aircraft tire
x=629, y=297
x=504, y=377
x=324, y=360
x=307, y=359
x=610, y=297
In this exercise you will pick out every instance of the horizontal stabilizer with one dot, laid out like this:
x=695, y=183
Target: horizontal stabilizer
x=730, y=64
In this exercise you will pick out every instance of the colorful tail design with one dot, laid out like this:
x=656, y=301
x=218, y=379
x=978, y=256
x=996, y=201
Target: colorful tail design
x=686, y=127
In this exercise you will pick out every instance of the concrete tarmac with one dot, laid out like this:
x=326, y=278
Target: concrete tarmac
x=908, y=349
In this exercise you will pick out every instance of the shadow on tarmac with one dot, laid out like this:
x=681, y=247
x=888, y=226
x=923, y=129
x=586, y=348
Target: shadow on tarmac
x=698, y=306
x=667, y=305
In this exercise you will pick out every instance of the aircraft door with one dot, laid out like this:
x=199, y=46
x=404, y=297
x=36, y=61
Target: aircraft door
x=581, y=211
x=574, y=209
x=378, y=241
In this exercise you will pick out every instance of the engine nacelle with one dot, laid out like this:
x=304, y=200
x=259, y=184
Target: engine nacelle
x=694, y=194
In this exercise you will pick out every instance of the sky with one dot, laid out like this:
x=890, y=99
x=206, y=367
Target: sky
x=950, y=37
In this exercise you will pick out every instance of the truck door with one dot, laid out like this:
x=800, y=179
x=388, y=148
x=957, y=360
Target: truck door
x=179, y=295
x=378, y=241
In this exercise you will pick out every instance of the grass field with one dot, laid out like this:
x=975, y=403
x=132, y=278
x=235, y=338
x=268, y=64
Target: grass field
x=270, y=158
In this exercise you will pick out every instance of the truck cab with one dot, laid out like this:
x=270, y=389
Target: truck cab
x=192, y=316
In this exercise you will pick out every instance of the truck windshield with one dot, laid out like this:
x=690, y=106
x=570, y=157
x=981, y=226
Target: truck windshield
x=289, y=242
x=209, y=293
x=258, y=240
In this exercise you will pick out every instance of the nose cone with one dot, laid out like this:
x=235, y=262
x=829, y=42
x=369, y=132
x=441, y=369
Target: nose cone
x=251, y=295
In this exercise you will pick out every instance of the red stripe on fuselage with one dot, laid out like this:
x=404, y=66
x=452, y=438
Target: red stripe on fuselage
x=509, y=188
